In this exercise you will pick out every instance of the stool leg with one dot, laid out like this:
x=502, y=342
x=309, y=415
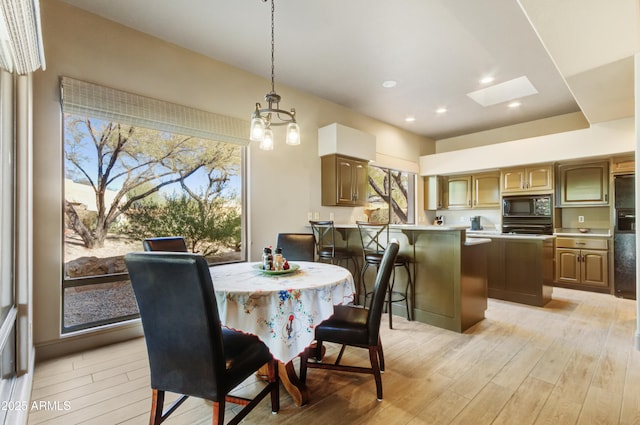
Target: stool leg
x=406, y=291
x=389, y=304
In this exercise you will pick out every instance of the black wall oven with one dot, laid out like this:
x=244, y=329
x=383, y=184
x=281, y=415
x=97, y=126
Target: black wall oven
x=527, y=214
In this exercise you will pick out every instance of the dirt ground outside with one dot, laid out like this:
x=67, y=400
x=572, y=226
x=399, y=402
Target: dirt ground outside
x=105, y=301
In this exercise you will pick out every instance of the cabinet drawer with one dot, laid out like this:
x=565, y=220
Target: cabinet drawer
x=582, y=243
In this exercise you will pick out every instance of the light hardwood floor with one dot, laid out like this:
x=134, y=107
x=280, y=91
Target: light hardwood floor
x=571, y=362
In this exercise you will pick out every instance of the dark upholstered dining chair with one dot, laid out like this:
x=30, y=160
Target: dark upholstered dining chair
x=190, y=353
x=357, y=327
x=167, y=243
x=297, y=246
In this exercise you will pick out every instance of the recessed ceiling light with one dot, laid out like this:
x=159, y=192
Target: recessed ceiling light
x=410, y=119
x=487, y=80
x=441, y=110
x=514, y=104
x=389, y=84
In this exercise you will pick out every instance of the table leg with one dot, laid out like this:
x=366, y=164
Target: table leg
x=298, y=391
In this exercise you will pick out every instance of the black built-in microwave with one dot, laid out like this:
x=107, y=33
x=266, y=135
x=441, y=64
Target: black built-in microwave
x=530, y=214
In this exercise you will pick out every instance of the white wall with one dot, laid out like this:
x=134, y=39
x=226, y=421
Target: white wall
x=284, y=184
x=600, y=139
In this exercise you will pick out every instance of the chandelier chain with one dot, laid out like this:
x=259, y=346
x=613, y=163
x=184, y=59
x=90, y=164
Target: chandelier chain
x=273, y=89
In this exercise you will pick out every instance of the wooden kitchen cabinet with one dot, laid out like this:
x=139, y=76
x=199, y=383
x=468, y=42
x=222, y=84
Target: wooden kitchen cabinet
x=475, y=191
x=623, y=165
x=458, y=192
x=584, y=184
x=344, y=181
x=582, y=262
x=486, y=190
x=530, y=179
x=521, y=270
x=433, y=193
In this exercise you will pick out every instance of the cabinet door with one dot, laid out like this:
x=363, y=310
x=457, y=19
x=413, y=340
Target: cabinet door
x=345, y=181
x=459, y=192
x=594, y=267
x=486, y=191
x=433, y=193
x=539, y=178
x=567, y=265
x=586, y=184
x=360, y=183
x=512, y=180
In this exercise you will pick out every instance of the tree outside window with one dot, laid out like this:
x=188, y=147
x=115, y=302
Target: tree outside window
x=124, y=183
x=391, y=196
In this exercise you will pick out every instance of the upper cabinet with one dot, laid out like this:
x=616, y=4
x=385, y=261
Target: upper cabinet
x=585, y=184
x=344, y=181
x=474, y=191
x=623, y=165
x=458, y=192
x=530, y=179
x=433, y=193
x=486, y=190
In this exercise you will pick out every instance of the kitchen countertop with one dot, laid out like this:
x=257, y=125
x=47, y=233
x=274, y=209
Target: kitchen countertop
x=601, y=233
x=498, y=235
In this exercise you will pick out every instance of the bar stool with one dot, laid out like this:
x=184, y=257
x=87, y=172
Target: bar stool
x=374, y=238
x=324, y=233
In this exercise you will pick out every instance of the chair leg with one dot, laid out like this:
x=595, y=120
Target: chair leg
x=218, y=412
x=380, y=355
x=304, y=358
x=389, y=304
x=157, y=402
x=340, y=354
x=275, y=389
x=373, y=357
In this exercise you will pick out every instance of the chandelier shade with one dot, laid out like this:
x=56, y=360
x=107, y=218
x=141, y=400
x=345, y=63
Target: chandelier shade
x=263, y=118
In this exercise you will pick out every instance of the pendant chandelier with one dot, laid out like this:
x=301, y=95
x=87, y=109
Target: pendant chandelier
x=263, y=118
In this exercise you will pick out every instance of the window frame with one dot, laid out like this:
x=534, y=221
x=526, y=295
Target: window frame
x=84, y=99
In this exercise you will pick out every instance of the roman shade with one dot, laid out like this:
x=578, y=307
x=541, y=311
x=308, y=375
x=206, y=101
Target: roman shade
x=93, y=100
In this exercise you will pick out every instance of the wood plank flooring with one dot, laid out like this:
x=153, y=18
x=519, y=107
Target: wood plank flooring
x=571, y=362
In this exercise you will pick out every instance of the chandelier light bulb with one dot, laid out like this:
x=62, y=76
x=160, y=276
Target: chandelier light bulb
x=293, y=134
x=267, y=143
x=257, y=129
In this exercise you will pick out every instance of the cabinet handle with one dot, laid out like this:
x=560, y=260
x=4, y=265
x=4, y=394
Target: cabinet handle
x=581, y=243
x=606, y=197
x=469, y=203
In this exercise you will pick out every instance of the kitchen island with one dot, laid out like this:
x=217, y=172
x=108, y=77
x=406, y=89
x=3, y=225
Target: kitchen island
x=449, y=273
x=520, y=267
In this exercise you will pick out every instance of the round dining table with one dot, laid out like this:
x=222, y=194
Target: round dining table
x=282, y=309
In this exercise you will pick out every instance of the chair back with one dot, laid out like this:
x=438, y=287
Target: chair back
x=324, y=233
x=297, y=246
x=168, y=243
x=180, y=320
x=373, y=236
x=380, y=291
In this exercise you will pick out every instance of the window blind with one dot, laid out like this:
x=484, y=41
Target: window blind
x=93, y=100
x=20, y=36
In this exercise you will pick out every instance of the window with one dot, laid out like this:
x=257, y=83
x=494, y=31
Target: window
x=129, y=176
x=391, y=196
x=8, y=310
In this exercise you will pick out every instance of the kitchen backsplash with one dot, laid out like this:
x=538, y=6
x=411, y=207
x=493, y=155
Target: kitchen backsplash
x=488, y=218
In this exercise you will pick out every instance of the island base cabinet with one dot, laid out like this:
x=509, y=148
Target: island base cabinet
x=521, y=271
x=451, y=280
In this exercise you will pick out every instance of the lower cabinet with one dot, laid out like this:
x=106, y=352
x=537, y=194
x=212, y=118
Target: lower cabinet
x=583, y=263
x=521, y=270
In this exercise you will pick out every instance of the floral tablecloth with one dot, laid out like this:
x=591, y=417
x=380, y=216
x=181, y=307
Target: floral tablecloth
x=281, y=310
